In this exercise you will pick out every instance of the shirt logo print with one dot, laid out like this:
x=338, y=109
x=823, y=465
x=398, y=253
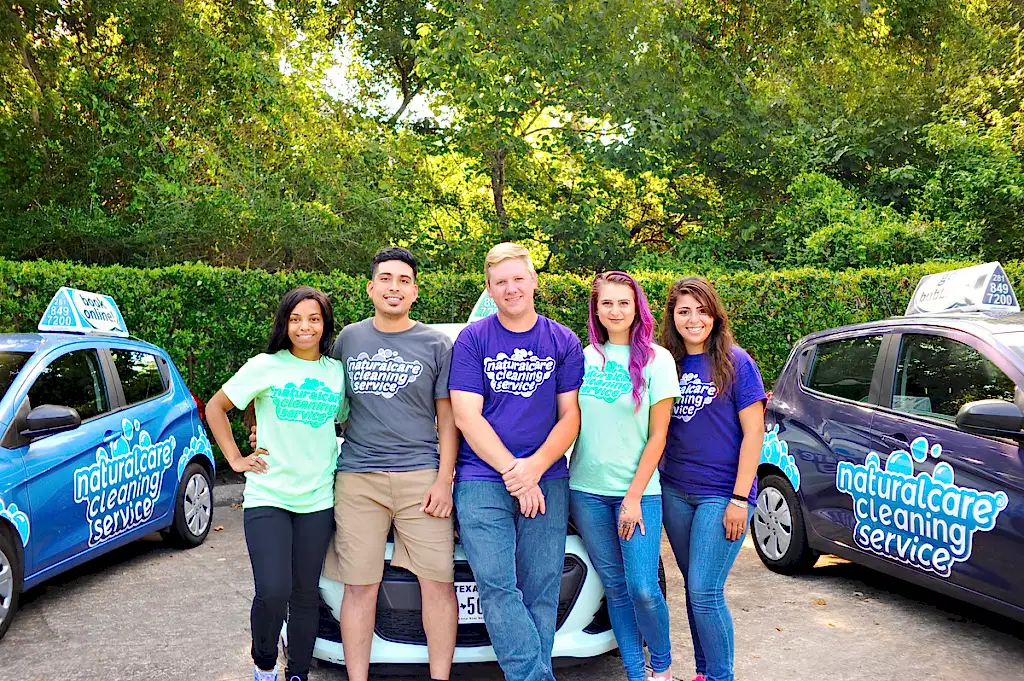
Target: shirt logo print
x=521, y=374
x=696, y=395
x=384, y=374
x=312, y=403
x=608, y=385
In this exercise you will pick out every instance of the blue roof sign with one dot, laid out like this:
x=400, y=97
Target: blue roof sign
x=982, y=288
x=74, y=311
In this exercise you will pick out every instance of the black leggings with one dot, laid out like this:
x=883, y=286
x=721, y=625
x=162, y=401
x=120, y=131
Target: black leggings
x=287, y=553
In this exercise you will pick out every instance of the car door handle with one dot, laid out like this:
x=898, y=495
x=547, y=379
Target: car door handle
x=110, y=436
x=901, y=438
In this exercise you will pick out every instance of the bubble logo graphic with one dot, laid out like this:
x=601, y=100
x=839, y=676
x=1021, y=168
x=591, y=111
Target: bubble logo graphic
x=197, y=446
x=521, y=374
x=696, y=395
x=776, y=452
x=924, y=520
x=19, y=519
x=121, y=488
x=383, y=374
x=312, y=403
x=608, y=385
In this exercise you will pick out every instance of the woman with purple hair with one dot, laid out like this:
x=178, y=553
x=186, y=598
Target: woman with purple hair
x=626, y=400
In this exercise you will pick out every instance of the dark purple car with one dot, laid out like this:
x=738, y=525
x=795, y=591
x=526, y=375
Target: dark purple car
x=897, y=445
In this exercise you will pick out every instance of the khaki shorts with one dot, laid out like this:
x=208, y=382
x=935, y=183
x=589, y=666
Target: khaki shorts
x=365, y=506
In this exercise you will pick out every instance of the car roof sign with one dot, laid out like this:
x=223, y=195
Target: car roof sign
x=981, y=288
x=484, y=307
x=74, y=311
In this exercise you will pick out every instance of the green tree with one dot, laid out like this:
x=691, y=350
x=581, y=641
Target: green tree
x=516, y=78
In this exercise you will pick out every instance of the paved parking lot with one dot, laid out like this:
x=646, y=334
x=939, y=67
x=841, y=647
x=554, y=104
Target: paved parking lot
x=151, y=613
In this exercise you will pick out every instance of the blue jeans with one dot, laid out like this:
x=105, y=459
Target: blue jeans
x=519, y=597
x=695, y=530
x=629, y=572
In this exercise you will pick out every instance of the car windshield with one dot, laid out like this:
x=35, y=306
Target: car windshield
x=10, y=366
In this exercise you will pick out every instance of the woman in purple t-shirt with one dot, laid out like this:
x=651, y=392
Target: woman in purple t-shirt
x=710, y=463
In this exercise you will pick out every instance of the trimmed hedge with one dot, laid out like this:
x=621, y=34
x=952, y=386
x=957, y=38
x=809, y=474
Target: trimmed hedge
x=212, y=319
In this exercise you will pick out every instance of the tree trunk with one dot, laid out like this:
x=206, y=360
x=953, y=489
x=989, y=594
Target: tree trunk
x=498, y=188
x=28, y=60
x=407, y=96
x=405, y=69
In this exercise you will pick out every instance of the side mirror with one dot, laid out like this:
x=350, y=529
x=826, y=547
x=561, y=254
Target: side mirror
x=49, y=419
x=991, y=417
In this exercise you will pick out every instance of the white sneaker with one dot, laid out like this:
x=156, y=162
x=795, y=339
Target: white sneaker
x=260, y=675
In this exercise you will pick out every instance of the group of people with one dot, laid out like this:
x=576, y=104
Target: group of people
x=472, y=436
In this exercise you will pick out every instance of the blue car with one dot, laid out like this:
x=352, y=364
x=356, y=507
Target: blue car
x=897, y=445
x=100, y=443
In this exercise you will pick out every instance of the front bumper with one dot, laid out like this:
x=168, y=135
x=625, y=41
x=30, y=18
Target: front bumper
x=582, y=625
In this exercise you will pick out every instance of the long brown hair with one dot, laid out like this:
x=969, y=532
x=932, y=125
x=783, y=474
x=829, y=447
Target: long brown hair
x=718, y=346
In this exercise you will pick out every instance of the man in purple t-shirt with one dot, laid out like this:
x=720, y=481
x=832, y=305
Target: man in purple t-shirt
x=513, y=384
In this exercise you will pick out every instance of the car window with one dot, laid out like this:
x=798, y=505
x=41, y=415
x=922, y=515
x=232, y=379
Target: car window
x=140, y=375
x=11, y=364
x=73, y=380
x=1015, y=341
x=844, y=368
x=935, y=376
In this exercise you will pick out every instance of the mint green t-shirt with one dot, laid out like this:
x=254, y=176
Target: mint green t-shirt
x=612, y=433
x=297, y=403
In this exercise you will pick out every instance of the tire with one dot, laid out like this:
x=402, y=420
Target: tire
x=10, y=579
x=778, y=529
x=193, y=508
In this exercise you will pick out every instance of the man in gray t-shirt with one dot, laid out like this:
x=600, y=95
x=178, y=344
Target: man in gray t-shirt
x=392, y=380
x=395, y=467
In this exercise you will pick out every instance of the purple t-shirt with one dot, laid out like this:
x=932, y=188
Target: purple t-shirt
x=702, y=454
x=520, y=376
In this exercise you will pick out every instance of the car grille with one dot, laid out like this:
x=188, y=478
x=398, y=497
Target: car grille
x=601, y=622
x=329, y=629
x=399, y=619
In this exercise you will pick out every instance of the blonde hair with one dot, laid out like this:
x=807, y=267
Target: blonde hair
x=507, y=251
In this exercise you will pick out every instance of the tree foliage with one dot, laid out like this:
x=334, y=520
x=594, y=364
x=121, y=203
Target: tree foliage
x=305, y=134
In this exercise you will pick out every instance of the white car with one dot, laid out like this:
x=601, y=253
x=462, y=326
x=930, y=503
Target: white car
x=582, y=628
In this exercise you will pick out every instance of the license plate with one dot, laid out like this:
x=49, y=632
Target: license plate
x=469, y=603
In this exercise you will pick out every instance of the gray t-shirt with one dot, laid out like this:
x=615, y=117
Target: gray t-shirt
x=392, y=380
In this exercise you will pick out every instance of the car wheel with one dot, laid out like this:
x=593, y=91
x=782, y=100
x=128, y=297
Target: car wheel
x=777, y=526
x=10, y=580
x=193, y=509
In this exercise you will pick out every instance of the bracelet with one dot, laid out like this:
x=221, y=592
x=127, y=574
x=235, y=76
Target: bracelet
x=739, y=504
x=740, y=497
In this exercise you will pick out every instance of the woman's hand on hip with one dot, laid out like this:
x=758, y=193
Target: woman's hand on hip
x=252, y=463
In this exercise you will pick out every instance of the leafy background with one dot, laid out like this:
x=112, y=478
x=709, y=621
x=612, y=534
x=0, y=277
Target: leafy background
x=653, y=134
